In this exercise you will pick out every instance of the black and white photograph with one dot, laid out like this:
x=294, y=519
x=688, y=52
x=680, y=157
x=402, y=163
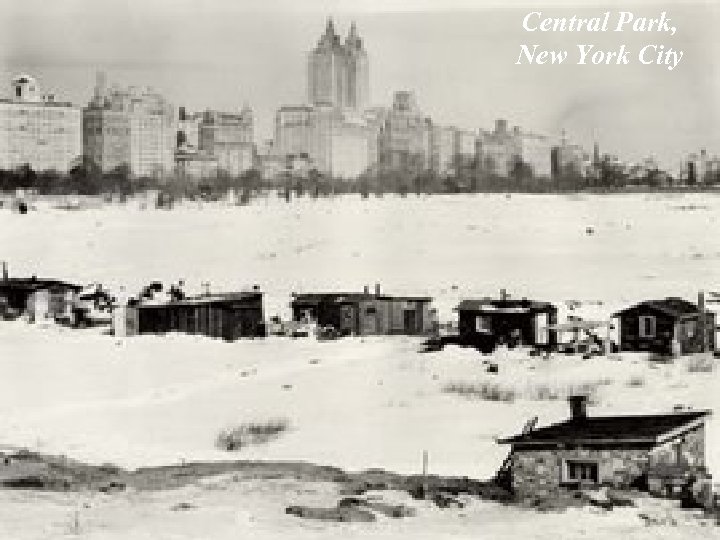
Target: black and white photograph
x=390, y=269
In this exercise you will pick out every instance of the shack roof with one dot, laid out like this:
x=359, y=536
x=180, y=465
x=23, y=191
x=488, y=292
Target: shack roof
x=219, y=298
x=351, y=297
x=33, y=284
x=508, y=305
x=641, y=429
x=672, y=307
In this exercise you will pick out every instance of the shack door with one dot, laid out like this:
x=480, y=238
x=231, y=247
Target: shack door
x=410, y=321
x=347, y=319
x=542, y=335
x=368, y=319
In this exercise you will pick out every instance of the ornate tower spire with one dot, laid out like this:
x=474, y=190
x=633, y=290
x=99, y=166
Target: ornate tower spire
x=330, y=28
x=353, y=41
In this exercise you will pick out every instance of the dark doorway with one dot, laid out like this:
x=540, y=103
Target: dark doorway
x=410, y=321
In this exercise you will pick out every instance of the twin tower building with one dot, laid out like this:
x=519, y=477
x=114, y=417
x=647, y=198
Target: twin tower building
x=329, y=133
x=334, y=131
x=138, y=129
x=337, y=71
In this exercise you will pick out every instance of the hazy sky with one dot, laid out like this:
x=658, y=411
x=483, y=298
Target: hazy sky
x=458, y=55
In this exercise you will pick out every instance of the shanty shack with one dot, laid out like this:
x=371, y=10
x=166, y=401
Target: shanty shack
x=40, y=299
x=668, y=326
x=507, y=320
x=366, y=313
x=658, y=452
x=228, y=316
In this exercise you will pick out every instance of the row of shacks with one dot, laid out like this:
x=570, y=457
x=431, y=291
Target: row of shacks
x=671, y=326
x=661, y=453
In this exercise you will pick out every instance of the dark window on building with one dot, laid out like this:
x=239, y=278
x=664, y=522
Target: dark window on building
x=678, y=451
x=581, y=471
x=647, y=326
x=482, y=324
x=690, y=329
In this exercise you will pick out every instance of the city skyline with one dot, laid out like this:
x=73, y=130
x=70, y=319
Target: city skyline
x=199, y=59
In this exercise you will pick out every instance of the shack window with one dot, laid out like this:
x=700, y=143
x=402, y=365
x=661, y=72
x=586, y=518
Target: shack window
x=370, y=311
x=581, y=471
x=482, y=324
x=647, y=326
x=690, y=329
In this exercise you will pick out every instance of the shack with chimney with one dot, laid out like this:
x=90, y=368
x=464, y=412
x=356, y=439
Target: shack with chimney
x=513, y=321
x=670, y=326
x=40, y=299
x=227, y=316
x=366, y=313
x=662, y=453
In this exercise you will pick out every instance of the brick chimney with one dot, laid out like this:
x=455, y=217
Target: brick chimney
x=578, y=408
x=377, y=289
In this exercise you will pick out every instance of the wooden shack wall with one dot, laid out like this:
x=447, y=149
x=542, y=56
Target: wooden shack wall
x=525, y=322
x=666, y=329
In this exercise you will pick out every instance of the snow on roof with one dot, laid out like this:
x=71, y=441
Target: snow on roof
x=509, y=305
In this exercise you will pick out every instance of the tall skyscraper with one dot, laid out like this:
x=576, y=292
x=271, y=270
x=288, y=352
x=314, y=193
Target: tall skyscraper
x=37, y=130
x=334, y=141
x=134, y=127
x=337, y=73
x=502, y=149
x=405, y=139
x=229, y=137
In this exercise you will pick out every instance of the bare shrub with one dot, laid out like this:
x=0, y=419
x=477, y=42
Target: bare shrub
x=636, y=381
x=700, y=364
x=235, y=438
x=494, y=391
x=544, y=392
x=484, y=390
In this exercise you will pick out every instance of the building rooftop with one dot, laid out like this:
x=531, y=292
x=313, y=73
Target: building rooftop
x=315, y=298
x=499, y=305
x=672, y=306
x=640, y=429
x=217, y=298
x=41, y=103
x=34, y=283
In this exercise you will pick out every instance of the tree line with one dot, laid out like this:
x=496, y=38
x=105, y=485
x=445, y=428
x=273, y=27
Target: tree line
x=85, y=178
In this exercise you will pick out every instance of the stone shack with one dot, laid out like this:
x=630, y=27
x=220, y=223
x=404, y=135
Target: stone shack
x=660, y=452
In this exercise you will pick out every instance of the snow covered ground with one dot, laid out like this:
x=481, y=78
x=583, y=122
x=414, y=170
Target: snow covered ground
x=446, y=246
x=355, y=403
x=221, y=509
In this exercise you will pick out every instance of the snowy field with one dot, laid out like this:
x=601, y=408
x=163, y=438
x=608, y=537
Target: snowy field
x=355, y=403
x=446, y=246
